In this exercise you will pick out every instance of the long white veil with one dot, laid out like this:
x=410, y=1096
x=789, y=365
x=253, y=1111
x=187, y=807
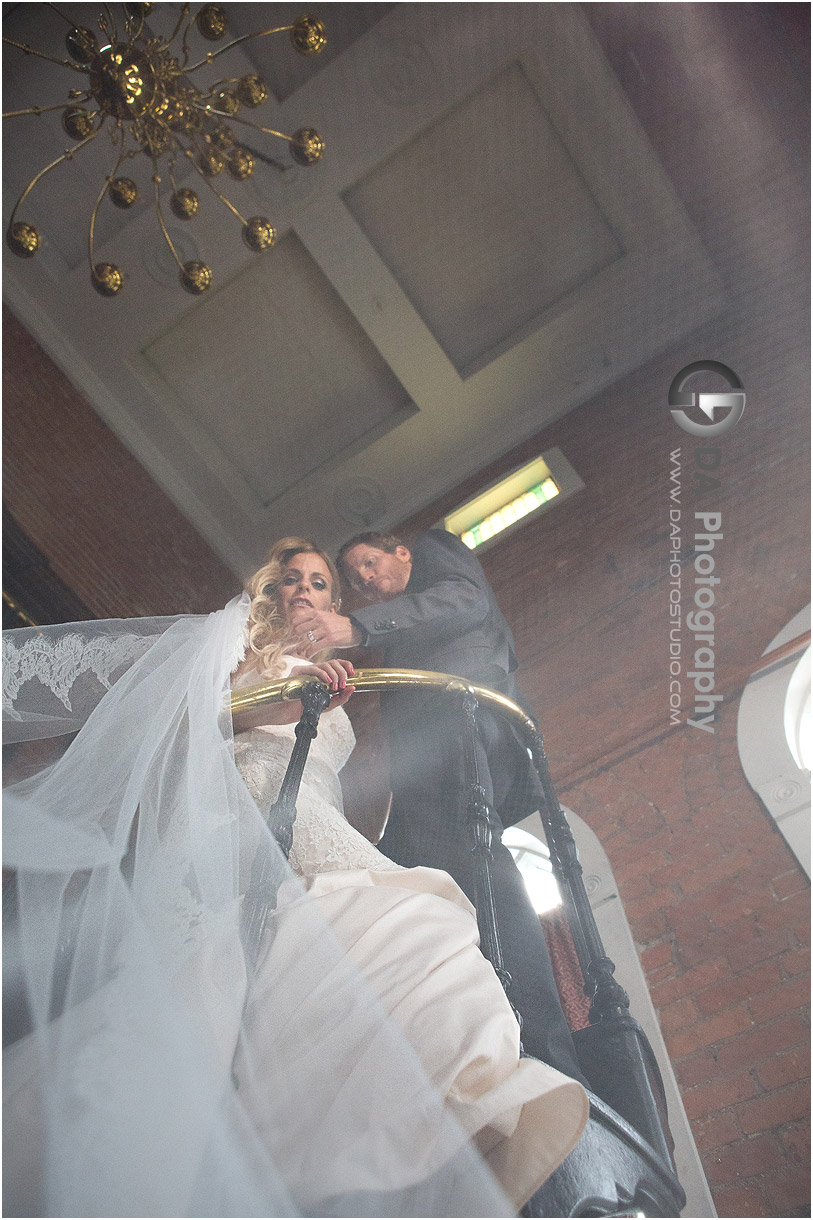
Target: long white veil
x=142, y=1076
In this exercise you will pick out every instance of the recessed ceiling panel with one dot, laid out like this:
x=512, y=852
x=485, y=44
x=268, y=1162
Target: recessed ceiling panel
x=490, y=194
x=275, y=370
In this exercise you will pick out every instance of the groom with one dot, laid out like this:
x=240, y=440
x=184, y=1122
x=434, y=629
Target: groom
x=434, y=609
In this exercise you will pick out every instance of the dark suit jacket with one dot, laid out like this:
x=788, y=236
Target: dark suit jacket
x=448, y=620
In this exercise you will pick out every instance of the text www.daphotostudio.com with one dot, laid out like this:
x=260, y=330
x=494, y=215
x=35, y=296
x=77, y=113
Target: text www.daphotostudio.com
x=700, y=620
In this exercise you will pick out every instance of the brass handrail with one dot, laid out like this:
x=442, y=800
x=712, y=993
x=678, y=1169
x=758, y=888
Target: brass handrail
x=368, y=680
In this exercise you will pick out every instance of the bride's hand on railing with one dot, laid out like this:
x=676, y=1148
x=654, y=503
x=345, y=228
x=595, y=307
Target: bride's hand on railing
x=334, y=673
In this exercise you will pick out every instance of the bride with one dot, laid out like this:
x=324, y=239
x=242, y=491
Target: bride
x=367, y=1062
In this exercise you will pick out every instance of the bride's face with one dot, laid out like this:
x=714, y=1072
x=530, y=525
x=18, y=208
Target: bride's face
x=305, y=584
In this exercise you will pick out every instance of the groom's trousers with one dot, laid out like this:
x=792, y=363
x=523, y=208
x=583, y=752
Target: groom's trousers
x=427, y=826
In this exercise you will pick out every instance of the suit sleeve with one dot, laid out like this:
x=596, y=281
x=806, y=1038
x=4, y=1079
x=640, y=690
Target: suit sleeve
x=452, y=602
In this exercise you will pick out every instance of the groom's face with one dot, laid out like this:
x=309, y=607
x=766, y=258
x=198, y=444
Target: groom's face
x=376, y=574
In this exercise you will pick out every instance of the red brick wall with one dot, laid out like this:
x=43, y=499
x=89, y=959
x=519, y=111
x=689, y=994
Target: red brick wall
x=105, y=527
x=720, y=912
x=717, y=903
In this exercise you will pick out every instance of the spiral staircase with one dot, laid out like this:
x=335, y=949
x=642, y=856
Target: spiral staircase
x=623, y=1164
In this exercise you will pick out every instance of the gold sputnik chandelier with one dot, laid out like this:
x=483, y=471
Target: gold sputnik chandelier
x=141, y=87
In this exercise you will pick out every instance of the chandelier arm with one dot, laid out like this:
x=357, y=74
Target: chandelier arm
x=130, y=30
x=186, y=152
x=261, y=156
x=235, y=118
x=63, y=63
x=64, y=16
x=156, y=177
x=184, y=45
x=280, y=29
x=114, y=34
x=102, y=194
x=171, y=172
x=66, y=156
x=226, y=80
x=15, y=114
x=130, y=25
x=184, y=12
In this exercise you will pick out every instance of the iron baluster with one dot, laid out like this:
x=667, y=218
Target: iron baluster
x=479, y=822
x=608, y=997
x=268, y=870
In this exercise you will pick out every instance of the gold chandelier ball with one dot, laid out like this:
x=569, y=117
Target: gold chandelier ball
x=222, y=137
x=308, y=35
x=259, y=234
x=78, y=122
x=306, y=146
x=123, y=192
x=210, y=162
x=227, y=101
x=107, y=279
x=252, y=91
x=81, y=44
x=184, y=203
x=23, y=239
x=211, y=22
x=195, y=277
x=240, y=164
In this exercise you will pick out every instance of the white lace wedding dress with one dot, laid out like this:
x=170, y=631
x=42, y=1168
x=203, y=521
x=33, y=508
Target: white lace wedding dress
x=413, y=935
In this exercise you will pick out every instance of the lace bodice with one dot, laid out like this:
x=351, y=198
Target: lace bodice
x=324, y=841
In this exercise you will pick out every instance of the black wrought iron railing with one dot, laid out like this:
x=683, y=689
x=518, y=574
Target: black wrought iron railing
x=623, y=1165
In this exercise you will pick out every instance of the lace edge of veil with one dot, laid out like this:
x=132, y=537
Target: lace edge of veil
x=58, y=664
x=57, y=661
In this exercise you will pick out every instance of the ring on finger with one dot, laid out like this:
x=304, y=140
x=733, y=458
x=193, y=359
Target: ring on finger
x=311, y=637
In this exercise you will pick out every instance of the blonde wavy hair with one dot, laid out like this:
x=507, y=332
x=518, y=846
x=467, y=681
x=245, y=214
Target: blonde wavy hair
x=268, y=634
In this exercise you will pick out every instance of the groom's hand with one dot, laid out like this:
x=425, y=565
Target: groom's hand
x=320, y=629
